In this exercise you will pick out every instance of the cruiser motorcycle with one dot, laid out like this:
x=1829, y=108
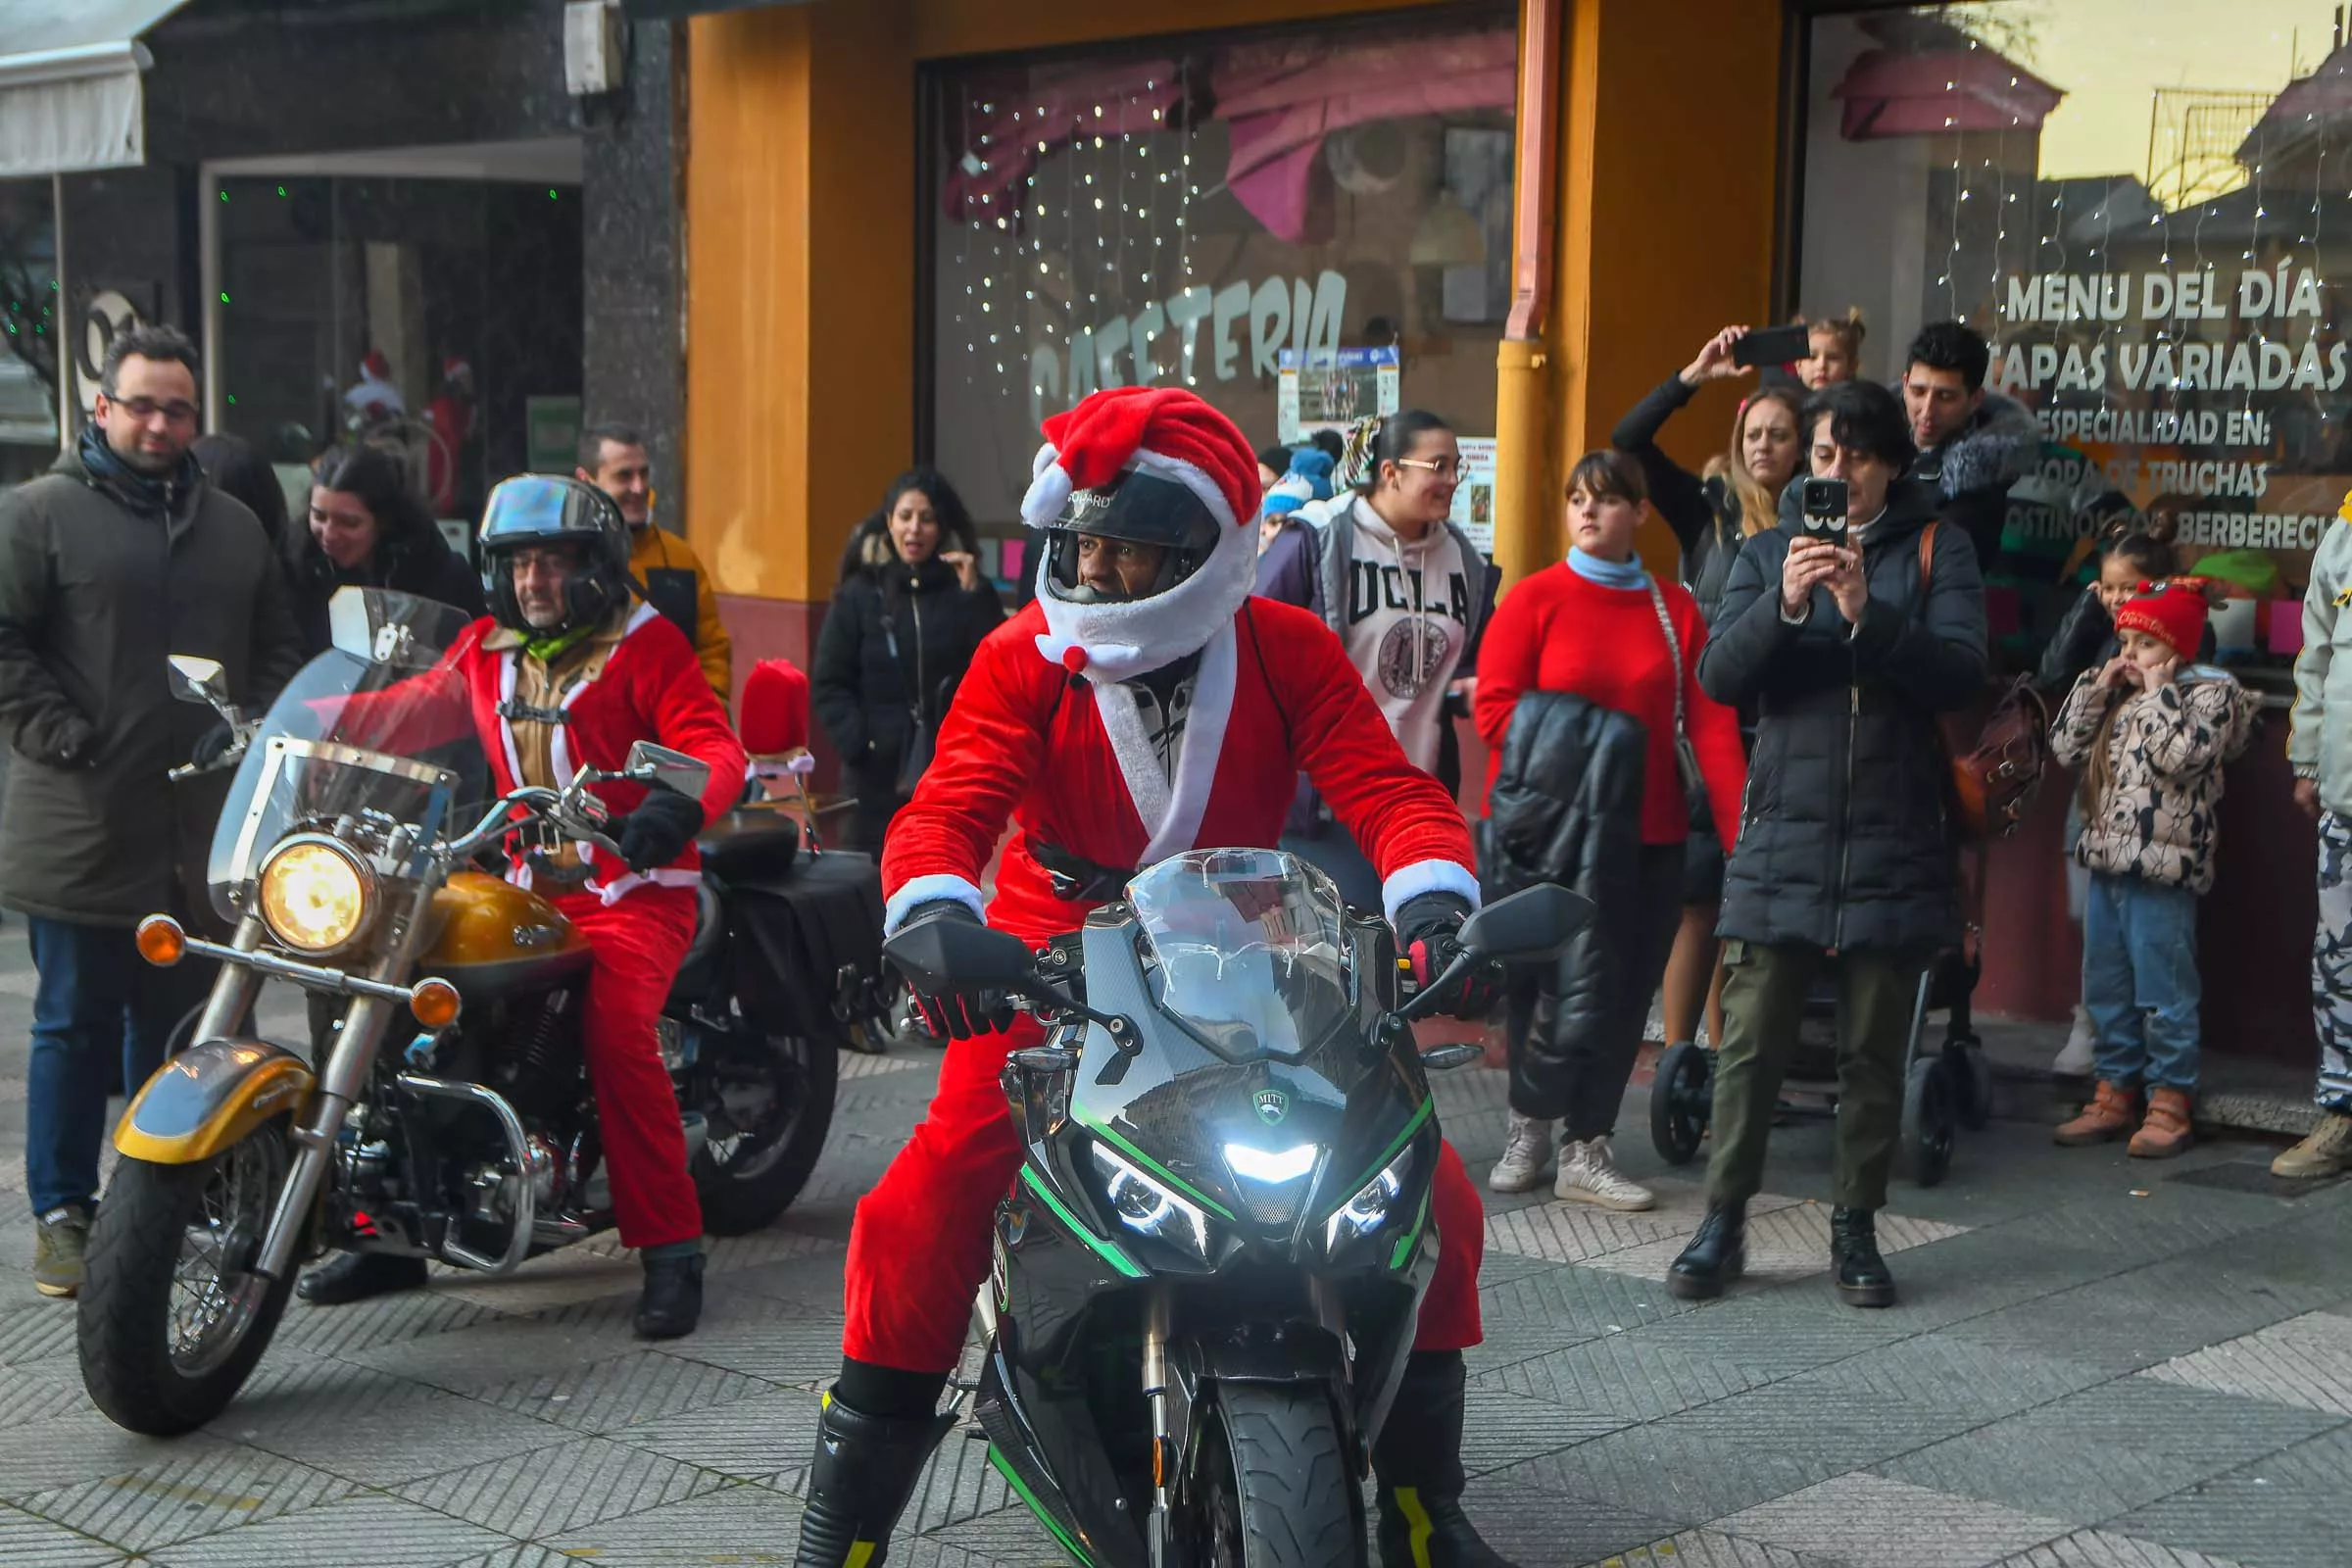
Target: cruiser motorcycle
x=443, y=1109
x=1207, y=1274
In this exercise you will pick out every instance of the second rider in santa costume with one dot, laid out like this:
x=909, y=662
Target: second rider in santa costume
x=1145, y=705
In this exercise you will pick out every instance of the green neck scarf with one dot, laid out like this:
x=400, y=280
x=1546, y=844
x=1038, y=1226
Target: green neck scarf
x=555, y=645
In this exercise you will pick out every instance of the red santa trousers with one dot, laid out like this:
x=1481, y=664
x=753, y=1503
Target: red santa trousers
x=920, y=1244
x=639, y=942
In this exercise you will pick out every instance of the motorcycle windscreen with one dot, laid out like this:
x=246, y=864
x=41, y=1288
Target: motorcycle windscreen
x=1249, y=951
x=378, y=724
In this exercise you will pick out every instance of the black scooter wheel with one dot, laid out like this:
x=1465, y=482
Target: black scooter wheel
x=1681, y=1101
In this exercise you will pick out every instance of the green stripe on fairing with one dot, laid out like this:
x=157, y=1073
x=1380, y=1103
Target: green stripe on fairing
x=1012, y=1478
x=1404, y=1242
x=1108, y=1135
x=1101, y=1249
x=1387, y=1156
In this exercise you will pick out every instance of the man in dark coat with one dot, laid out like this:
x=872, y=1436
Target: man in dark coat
x=1845, y=863
x=118, y=557
x=1972, y=445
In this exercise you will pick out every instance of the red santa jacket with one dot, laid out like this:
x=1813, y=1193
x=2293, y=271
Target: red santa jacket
x=1069, y=761
x=651, y=689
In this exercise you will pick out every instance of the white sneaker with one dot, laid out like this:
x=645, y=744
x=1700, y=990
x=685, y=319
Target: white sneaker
x=1525, y=1157
x=2080, y=1052
x=1588, y=1174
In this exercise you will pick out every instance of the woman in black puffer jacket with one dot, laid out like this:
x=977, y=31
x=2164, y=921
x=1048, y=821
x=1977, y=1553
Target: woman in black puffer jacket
x=910, y=611
x=369, y=527
x=1846, y=865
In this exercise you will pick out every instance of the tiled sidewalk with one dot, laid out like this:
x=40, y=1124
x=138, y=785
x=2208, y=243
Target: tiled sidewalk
x=2097, y=1364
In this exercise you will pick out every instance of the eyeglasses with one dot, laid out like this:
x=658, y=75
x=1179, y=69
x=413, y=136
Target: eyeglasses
x=1460, y=468
x=142, y=410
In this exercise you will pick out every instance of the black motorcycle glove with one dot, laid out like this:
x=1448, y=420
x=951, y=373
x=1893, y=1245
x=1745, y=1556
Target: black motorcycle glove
x=213, y=745
x=659, y=829
x=1428, y=928
x=956, y=1013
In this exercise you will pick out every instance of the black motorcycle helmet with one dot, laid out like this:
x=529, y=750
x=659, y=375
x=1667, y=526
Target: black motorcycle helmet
x=1138, y=507
x=538, y=508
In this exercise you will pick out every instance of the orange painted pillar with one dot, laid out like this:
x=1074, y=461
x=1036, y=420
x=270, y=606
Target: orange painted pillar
x=801, y=273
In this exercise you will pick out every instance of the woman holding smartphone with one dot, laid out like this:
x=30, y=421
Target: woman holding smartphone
x=1712, y=514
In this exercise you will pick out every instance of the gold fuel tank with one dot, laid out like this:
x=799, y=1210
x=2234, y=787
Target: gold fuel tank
x=493, y=938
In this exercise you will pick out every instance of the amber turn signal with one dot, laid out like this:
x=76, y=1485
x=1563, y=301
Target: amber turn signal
x=161, y=941
x=434, y=1003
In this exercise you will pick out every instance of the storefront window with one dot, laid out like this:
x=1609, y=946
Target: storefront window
x=1209, y=213
x=2160, y=269
x=443, y=316
x=30, y=339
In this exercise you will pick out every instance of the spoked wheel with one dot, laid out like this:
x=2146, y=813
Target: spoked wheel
x=767, y=1103
x=1681, y=1096
x=1270, y=1487
x=171, y=1318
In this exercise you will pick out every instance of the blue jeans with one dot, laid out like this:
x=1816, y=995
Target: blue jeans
x=2140, y=983
x=97, y=998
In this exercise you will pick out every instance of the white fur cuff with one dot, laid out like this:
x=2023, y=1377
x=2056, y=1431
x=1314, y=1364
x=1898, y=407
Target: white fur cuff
x=922, y=890
x=1409, y=882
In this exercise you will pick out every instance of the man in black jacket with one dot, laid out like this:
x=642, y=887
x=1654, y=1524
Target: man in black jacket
x=118, y=557
x=1845, y=862
x=1972, y=444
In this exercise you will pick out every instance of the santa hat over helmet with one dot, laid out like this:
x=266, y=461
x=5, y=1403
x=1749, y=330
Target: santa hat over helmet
x=1172, y=435
x=2172, y=612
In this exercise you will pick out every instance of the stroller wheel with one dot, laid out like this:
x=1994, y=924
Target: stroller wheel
x=1972, y=1082
x=1928, y=1121
x=1681, y=1096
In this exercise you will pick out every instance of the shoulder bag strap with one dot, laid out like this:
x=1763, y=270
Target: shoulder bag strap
x=1674, y=652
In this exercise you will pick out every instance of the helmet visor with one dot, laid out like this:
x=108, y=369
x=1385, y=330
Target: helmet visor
x=532, y=508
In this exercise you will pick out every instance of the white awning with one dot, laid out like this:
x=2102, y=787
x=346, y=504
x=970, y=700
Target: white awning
x=70, y=95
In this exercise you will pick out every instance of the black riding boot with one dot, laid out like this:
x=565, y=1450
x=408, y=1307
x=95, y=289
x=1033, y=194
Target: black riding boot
x=672, y=1302
x=866, y=1467
x=1716, y=1256
x=1863, y=1277
x=1418, y=1461
x=357, y=1276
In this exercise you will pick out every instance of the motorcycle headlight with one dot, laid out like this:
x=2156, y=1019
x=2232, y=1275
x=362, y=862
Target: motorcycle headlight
x=1374, y=1203
x=1146, y=1207
x=316, y=895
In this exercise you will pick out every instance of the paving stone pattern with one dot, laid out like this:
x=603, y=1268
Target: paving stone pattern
x=2096, y=1364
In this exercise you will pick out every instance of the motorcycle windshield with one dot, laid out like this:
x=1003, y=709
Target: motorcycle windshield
x=377, y=729
x=1248, y=951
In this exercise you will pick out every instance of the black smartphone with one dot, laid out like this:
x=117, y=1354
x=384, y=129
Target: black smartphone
x=1773, y=345
x=1824, y=503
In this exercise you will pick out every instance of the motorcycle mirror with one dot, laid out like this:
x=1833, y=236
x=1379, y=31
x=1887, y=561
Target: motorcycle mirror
x=198, y=680
x=658, y=764
x=941, y=954
x=1534, y=923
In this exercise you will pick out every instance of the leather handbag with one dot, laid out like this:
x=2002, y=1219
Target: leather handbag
x=1685, y=756
x=1996, y=772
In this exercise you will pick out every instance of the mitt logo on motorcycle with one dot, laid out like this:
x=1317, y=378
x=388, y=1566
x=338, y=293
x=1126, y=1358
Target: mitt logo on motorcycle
x=1272, y=1106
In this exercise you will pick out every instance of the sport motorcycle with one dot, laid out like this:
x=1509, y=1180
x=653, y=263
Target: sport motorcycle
x=1206, y=1277
x=443, y=1108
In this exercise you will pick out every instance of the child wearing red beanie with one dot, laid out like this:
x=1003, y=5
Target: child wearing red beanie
x=2150, y=732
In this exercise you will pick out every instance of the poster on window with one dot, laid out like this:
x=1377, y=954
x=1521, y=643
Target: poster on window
x=1332, y=391
x=1473, y=498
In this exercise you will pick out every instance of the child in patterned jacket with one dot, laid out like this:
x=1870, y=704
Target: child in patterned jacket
x=2150, y=731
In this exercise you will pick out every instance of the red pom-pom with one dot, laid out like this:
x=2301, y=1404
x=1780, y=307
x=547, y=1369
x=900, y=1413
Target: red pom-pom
x=1073, y=660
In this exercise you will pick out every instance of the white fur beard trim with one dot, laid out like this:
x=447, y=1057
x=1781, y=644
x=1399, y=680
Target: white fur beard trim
x=1122, y=641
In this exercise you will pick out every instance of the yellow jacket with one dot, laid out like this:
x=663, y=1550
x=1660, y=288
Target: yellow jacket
x=668, y=569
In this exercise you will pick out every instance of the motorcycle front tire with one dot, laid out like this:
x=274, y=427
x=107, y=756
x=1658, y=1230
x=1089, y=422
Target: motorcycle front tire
x=1272, y=1487
x=125, y=1318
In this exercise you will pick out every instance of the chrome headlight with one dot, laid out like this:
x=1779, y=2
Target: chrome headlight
x=1148, y=1207
x=316, y=894
x=1374, y=1203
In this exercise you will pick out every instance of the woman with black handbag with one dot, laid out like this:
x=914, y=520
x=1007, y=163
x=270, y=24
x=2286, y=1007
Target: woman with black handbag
x=1600, y=627
x=908, y=613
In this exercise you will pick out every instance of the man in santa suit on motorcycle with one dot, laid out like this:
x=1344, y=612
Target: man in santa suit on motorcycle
x=567, y=671
x=1145, y=705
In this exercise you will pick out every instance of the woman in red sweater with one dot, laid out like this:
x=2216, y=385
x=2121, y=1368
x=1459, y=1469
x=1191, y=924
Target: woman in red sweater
x=1597, y=626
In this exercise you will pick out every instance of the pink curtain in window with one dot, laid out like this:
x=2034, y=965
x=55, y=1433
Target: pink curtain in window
x=1005, y=145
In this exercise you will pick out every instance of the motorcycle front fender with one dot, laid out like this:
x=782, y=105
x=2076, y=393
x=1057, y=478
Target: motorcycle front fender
x=210, y=1096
